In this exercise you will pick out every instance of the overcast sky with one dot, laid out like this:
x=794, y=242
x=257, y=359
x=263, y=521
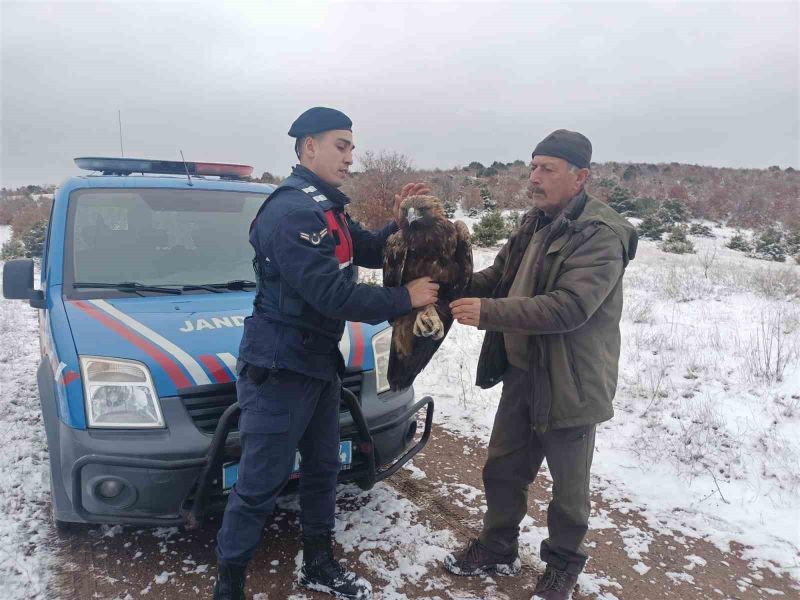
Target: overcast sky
x=445, y=84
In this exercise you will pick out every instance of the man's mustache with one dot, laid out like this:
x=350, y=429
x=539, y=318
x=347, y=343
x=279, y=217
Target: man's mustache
x=535, y=189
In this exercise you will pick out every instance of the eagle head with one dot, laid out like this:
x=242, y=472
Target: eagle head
x=421, y=211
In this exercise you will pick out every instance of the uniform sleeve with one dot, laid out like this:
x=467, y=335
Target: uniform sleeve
x=306, y=259
x=587, y=278
x=368, y=245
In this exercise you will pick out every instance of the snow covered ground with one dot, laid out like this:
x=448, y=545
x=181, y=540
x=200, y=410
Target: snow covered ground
x=705, y=441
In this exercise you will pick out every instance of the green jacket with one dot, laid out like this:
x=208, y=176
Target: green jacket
x=572, y=316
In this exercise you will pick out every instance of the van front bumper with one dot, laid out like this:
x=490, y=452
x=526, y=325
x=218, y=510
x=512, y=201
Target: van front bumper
x=173, y=477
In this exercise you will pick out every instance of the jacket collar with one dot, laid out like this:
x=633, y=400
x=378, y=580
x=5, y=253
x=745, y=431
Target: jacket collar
x=570, y=212
x=334, y=195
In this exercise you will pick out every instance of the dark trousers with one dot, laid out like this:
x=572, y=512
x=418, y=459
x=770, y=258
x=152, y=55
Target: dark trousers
x=285, y=413
x=516, y=452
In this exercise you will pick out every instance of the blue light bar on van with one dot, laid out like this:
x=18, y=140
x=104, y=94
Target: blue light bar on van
x=126, y=166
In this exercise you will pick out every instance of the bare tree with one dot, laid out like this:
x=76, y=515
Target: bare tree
x=372, y=190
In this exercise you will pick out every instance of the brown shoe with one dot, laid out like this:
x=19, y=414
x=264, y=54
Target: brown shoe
x=477, y=559
x=554, y=585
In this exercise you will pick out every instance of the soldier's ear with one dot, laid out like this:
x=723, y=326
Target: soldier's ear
x=309, y=147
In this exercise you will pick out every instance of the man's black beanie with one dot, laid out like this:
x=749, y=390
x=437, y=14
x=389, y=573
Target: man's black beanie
x=572, y=146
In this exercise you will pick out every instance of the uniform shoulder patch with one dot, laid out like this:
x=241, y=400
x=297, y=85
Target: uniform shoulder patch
x=315, y=237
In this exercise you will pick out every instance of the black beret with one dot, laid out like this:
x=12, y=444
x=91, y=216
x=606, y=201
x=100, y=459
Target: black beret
x=319, y=119
x=569, y=145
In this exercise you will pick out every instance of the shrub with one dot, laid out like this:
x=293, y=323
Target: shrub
x=489, y=204
x=449, y=209
x=673, y=211
x=700, y=230
x=631, y=172
x=770, y=245
x=677, y=241
x=12, y=249
x=489, y=230
x=792, y=240
x=33, y=240
x=607, y=183
x=621, y=201
x=651, y=229
x=739, y=242
x=645, y=206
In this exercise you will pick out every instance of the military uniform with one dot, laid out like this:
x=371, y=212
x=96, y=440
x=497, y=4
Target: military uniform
x=288, y=383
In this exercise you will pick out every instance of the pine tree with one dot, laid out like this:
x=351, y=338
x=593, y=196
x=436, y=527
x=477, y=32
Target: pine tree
x=33, y=239
x=651, y=228
x=489, y=204
x=673, y=211
x=677, y=241
x=739, y=242
x=645, y=206
x=489, y=230
x=13, y=248
x=620, y=200
x=770, y=245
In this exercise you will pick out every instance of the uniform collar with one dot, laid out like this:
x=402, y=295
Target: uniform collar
x=334, y=195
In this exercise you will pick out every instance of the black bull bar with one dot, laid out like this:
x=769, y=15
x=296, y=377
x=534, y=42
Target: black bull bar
x=195, y=510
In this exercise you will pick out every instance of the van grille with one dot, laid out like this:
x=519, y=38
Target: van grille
x=206, y=408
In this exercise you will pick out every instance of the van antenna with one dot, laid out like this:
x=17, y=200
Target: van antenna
x=185, y=166
x=119, y=117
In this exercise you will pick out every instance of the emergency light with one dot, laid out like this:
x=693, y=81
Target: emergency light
x=126, y=166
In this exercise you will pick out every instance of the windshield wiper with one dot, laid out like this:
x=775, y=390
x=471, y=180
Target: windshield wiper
x=234, y=284
x=209, y=288
x=127, y=286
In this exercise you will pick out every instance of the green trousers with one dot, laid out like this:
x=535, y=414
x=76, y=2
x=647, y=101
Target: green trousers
x=516, y=452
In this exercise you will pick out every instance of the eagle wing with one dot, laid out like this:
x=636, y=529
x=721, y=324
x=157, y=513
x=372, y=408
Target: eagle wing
x=394, y=258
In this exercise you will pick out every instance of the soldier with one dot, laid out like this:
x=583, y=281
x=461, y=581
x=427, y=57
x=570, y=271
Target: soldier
x=289, y=362
x=551, y=305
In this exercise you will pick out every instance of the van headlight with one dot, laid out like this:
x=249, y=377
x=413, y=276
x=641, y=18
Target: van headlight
x=381, y=344
x=119, y=393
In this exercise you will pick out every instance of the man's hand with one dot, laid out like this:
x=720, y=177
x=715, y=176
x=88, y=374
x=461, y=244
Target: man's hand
x=409, y=189
x=467, y=311
x=423, y=291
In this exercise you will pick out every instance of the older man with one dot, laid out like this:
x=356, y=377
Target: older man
x=551, y=306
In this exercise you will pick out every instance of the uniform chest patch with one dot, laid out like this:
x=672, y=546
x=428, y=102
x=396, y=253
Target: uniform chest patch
x=315, y=237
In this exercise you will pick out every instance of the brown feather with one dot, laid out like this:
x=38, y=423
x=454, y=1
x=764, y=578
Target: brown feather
x=431, y=246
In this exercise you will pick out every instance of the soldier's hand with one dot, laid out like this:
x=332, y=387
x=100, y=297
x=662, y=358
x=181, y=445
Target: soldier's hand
x=422, y=291
x=409, y=189
x=467, y=311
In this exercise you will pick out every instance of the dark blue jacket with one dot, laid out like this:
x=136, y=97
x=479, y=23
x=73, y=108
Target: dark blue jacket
x=305, y=246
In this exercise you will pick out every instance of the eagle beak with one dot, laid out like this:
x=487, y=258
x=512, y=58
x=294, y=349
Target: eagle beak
x=413, y=215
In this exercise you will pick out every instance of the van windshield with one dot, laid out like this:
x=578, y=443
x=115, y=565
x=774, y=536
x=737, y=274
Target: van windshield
x=161, y=237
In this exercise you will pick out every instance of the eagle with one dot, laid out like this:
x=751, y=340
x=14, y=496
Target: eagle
x=427, y=244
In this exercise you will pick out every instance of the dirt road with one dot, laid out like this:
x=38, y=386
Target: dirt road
x=629, y=559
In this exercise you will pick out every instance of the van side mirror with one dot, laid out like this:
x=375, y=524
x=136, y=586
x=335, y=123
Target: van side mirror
x=18, y=282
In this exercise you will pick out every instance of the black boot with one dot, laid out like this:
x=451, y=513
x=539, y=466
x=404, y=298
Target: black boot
x=322, y=573
x=230, y=582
